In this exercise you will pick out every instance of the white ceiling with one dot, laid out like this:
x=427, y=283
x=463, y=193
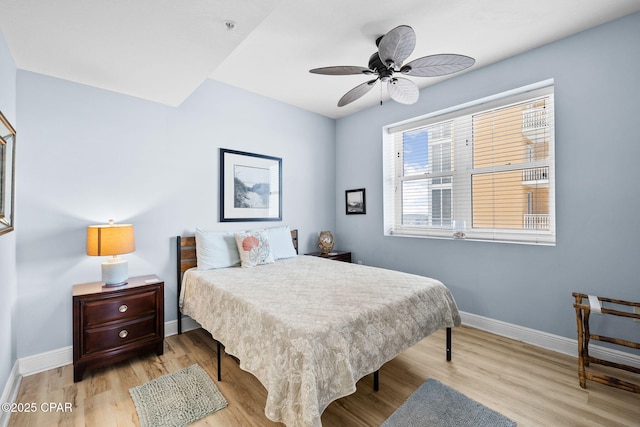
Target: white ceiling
x=162, y=50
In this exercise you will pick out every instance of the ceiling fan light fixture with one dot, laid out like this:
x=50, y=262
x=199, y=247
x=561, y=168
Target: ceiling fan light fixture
x=395, y=47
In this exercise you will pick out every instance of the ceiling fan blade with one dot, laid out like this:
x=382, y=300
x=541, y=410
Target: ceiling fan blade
x=356, y=92
x=341, y=70
x=397, y=45
x=437, y=65
x=403, y=90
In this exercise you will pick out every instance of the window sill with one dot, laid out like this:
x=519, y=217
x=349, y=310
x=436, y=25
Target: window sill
x=533, y=238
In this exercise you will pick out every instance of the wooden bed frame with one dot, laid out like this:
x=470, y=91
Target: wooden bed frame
x=186, y=259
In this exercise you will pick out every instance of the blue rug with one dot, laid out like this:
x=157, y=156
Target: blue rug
x=434, y=404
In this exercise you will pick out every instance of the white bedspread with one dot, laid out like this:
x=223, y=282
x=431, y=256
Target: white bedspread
x=309, y=328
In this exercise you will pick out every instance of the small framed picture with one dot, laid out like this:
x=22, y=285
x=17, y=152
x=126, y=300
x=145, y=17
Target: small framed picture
x=355, y=202
x=250, y=187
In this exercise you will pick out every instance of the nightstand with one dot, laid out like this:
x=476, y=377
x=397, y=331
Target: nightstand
x=111, y=324
x=335, y=255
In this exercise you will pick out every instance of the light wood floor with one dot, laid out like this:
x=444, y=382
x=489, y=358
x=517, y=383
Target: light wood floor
x=533, y=387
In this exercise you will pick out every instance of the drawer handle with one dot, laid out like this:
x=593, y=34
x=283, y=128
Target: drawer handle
x=123, y=333
x=123, y=308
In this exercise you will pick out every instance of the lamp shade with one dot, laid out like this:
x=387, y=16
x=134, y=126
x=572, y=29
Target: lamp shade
x=110, y=239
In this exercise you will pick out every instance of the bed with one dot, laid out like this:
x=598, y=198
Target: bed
x=309, y=328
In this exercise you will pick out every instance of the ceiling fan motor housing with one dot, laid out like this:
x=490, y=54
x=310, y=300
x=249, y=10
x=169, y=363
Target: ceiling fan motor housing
x=376, y=64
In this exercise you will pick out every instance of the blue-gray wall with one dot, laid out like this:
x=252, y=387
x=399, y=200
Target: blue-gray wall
x=88, y=155
x=8, y=277
x=597, y=89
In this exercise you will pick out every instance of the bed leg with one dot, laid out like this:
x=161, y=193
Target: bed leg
x=219, y=359
x=448, y=344
x=376, y=380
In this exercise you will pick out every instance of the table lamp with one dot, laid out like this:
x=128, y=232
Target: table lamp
x=111, y=239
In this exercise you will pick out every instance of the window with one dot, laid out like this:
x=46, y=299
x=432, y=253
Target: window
x=483, y=170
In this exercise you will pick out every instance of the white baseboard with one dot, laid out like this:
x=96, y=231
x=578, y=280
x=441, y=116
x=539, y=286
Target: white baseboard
x=545, y=340
x=44, y=361
x=188, y=324
x=10, y=393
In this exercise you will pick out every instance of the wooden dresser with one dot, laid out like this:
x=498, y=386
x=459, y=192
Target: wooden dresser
x=111, y=324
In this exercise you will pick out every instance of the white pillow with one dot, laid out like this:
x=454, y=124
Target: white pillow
x=253, y=247
x=280, y=242
x=216, y=249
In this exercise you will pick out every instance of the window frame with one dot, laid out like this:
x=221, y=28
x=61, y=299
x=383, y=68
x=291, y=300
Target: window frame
x=462, y=177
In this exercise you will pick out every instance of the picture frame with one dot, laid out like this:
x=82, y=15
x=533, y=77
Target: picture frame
x=7, y=174
x=250, y=187
x=355, y=202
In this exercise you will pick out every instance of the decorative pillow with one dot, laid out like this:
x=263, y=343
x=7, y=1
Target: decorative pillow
x=254, y=248
x=280, y=242
x=216, y=249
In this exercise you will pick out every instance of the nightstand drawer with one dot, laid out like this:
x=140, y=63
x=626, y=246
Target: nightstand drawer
x=113, y=309
x=99, y=339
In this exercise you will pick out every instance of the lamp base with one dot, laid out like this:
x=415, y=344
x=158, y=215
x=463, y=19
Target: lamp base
x=115, y=285
x=115, y=272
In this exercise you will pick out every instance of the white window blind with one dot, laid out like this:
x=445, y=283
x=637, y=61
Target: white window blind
x=483, y=170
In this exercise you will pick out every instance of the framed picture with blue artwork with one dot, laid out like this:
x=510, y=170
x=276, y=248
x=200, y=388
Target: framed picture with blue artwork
x=250, y=187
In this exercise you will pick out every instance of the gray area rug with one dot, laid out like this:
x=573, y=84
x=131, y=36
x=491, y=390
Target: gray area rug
x=436, y=405
x=177, y=399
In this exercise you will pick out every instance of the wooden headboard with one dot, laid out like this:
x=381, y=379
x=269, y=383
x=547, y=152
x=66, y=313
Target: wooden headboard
x=186, y=251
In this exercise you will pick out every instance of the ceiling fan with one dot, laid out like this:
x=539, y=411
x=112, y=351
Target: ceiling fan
x=393, y=48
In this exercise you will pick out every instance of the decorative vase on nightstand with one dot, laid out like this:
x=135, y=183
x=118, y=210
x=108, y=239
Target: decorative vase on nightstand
x=325, y=242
